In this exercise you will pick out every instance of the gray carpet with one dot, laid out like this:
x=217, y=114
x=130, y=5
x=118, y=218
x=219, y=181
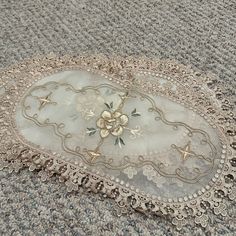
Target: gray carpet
x=197, y=32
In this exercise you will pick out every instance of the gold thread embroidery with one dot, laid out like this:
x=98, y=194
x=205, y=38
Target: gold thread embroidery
x=95, y=154
x=45, y=100
x=186, y=152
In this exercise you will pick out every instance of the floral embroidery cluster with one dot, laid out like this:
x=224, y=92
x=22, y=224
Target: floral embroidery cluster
x=87, y=107
x=147, y=171
x=114, y=122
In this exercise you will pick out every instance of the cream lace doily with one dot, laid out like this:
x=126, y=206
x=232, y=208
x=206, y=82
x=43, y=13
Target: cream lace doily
x=155, y=136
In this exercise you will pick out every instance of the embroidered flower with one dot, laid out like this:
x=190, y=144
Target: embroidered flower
x=112, y=123
x=159, y=180
x=89, y=104
x=130, y=172
x=136, y=132
x=149, y=172
x=153, y=176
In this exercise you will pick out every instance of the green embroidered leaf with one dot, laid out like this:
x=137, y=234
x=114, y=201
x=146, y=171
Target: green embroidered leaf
x=135, y=113
x=108, y=106
x=91, y=131
x=116, y=141
x=119, y=141
x=122, y=141
x=111, y=105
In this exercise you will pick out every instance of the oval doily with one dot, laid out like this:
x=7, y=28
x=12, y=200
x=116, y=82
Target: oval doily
x=155, y=136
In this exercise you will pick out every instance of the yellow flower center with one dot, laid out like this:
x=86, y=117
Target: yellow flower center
x=112, y=123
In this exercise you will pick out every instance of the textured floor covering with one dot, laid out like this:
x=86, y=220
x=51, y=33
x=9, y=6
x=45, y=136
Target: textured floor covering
x=197, y=32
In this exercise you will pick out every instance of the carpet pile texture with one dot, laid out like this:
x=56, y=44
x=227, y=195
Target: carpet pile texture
x=200, y=33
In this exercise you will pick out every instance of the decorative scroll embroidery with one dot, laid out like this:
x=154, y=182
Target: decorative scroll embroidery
x=112, y=123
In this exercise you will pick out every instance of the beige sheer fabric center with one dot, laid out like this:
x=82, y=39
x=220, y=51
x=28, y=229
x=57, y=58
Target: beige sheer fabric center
x=147, y=141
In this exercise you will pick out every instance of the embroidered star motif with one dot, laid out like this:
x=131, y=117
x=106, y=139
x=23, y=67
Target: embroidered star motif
x=185, y=151
x=43, y=101
x=93, y=155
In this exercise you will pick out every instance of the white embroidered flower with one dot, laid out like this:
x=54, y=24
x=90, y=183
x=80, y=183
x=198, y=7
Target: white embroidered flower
x=89, y=104
x=112, y=123
x=159, y=180
x=153, y=176
x=87, y=114
x=149, y=172
x=130, y=172
x=136, y=132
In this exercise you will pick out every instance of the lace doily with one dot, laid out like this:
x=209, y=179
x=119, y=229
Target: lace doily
x=155, y=136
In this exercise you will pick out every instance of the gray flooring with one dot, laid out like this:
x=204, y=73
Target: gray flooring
x=201, y=33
